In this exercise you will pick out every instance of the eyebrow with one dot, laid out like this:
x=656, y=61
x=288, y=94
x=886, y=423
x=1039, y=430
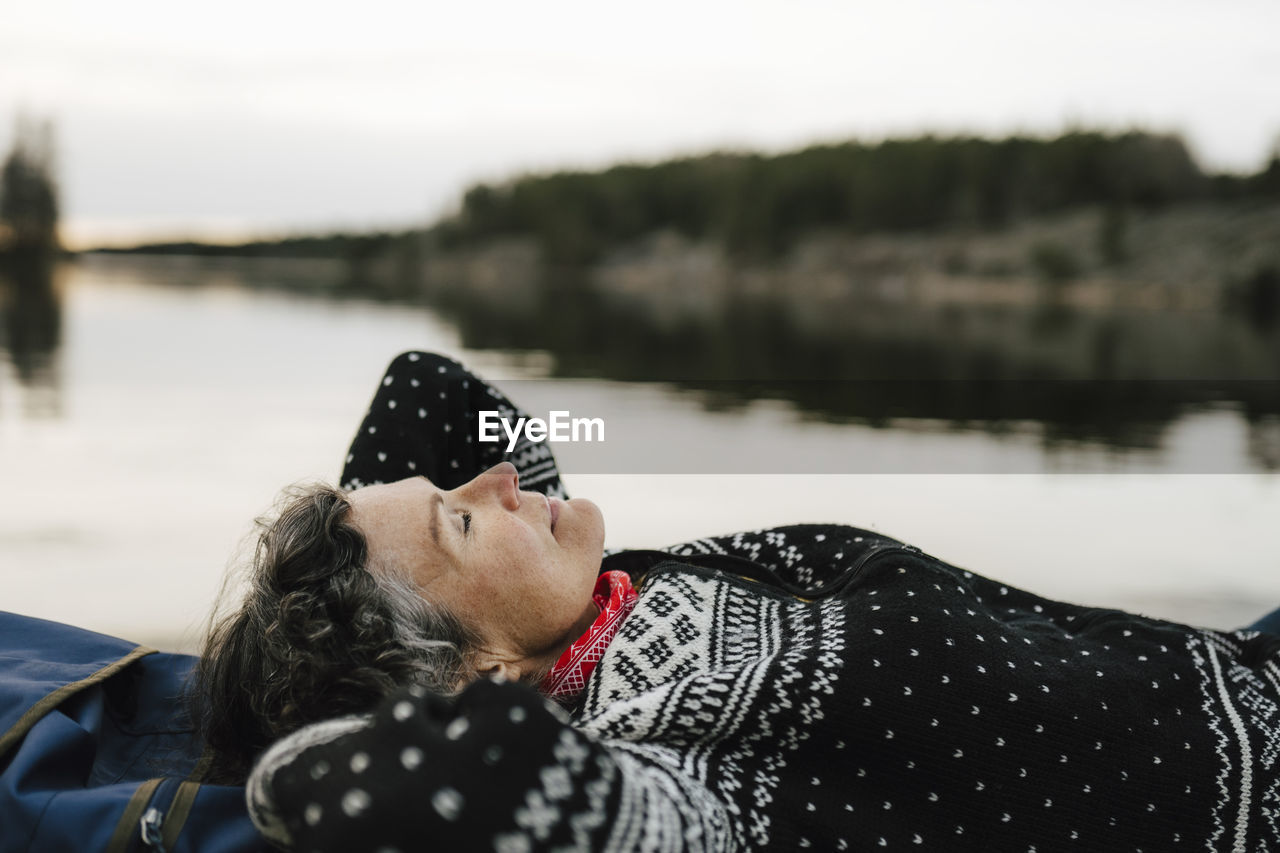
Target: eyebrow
x=436, y=504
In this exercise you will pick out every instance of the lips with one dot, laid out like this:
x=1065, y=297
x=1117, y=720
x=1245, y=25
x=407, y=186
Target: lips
x=553, y=507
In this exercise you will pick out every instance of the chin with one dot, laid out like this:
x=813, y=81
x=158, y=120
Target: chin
x=590, y=518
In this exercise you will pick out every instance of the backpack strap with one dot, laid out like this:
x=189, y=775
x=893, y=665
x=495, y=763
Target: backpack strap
x=179, y=809
x=126, y=827
x=51, y=700
x=147, y=816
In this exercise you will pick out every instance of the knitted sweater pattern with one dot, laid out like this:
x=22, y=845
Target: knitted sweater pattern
x=925, y=705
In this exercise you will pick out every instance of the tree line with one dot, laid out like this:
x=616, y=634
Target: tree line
x=756, y=206
x=351, y=247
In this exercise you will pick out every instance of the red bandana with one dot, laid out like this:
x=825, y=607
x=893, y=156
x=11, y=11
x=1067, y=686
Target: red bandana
x=615, y=598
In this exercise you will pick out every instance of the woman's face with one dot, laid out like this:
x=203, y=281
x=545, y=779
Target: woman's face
x=517, y=567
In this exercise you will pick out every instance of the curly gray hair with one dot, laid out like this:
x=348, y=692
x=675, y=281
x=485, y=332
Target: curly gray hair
x=318, y=635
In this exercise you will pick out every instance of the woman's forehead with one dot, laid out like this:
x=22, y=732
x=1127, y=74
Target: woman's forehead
x=402, y=525
x=388, y=513
x=381, y=493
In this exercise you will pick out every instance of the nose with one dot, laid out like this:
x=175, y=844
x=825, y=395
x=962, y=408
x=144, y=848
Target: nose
x=502, y=481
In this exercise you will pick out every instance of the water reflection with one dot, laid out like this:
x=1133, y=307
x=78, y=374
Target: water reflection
x=1122, y=379
x=1069, y=377
x=31, y=329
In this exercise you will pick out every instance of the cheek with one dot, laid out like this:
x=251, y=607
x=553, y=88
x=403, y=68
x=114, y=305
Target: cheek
x=519, y=565
x=588, y=528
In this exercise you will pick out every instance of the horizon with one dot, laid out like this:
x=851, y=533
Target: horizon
x=174, y=126
x=236, y=238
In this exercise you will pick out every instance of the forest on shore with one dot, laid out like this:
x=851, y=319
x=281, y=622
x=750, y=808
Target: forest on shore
x=755, y=207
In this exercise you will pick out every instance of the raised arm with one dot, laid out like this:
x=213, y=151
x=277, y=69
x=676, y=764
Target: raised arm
x=423, y=422
x=497, y=769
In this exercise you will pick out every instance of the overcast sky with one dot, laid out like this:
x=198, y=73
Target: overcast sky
x=222, y=120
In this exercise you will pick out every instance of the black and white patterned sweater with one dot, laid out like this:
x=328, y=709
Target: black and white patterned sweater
x=896, y=701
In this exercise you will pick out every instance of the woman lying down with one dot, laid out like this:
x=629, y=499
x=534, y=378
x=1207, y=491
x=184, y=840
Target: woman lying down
x=440, y=656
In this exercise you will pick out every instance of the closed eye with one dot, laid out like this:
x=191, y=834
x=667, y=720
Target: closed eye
x=466, y=523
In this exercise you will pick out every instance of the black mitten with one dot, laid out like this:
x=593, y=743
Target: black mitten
x=496, y=769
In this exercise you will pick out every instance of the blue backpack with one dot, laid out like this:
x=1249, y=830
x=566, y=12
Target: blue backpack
x=96, y=749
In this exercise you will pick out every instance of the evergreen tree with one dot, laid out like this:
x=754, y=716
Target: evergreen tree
x=28, y=193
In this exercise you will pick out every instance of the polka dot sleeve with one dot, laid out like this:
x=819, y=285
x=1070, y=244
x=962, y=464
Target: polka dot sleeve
x=497, y=770
x=423, y=421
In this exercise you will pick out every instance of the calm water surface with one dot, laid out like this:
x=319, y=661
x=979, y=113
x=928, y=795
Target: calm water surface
x=144, y=422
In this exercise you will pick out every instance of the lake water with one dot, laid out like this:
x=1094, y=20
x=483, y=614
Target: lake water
x=146, y=418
